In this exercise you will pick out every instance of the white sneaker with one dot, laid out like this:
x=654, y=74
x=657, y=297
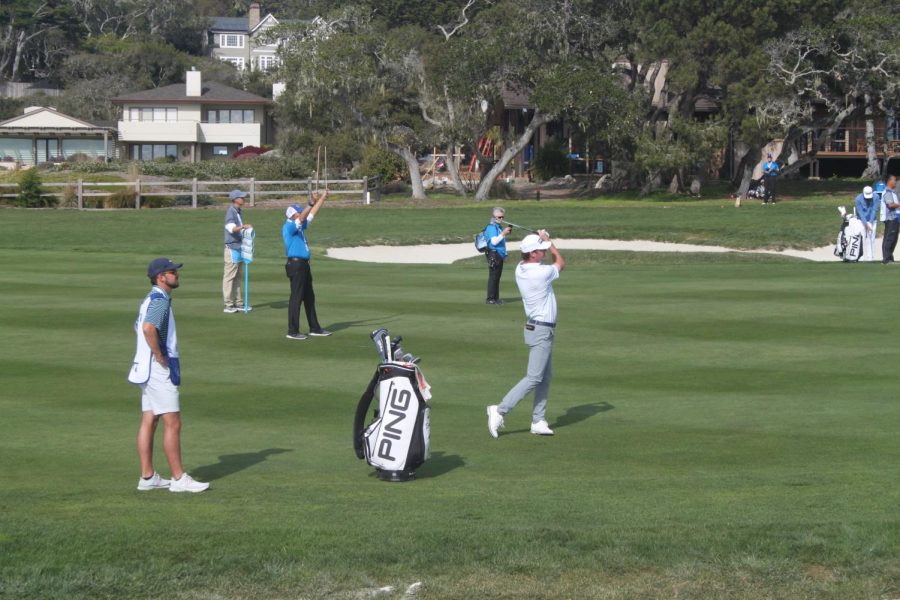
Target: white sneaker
x=154, y=483
x=495, y=420
x=187, y=484
x=243, y=308
x=230, y=309
x=539, y=428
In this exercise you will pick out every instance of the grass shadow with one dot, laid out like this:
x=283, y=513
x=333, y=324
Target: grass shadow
x=229, y=464
x=440, y=463
x=576, y=414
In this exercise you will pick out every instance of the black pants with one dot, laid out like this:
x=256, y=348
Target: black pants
x=890, y=240
x=495, y=270
x=299, y=273
x=771, y=188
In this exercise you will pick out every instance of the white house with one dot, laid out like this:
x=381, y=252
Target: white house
x=239, y=40
x=42, y=134
x=193, y=121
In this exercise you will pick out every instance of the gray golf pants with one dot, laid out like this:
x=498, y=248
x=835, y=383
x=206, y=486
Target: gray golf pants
x=540, y=372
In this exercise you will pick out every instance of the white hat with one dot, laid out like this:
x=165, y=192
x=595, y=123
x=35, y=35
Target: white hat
x=533, y=242
x=292, y=210
x=868, y=192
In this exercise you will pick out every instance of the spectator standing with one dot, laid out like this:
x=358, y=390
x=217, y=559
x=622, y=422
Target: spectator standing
x=770, y=176
x=891, y=225
x=867, y=212
x=495, y=234
x=233, y=273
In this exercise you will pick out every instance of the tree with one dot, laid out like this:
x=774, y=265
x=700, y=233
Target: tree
x=34, y=36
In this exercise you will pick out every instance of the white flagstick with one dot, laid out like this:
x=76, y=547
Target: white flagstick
x=326, y=168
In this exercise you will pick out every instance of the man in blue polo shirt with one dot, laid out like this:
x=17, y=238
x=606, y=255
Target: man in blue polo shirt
x=770, y=176
x=867, y=212
x=293, y=232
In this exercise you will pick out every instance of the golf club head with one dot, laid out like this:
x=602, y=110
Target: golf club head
x=382, y=342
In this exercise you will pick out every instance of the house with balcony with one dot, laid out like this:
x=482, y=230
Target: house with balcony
x=192, y=121
x=240, y=40
x=42, y=134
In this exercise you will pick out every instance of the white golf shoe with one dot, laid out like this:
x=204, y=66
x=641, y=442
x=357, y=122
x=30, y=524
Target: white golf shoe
x=495, y=420
x=154, y=483
x=541, y=428
x=187, y=484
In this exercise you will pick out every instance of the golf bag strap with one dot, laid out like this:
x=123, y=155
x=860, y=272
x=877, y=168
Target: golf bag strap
x=360, y=419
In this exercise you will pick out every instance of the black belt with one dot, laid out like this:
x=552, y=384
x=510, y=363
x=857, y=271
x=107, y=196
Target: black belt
x=295, y=259
x=544, y=323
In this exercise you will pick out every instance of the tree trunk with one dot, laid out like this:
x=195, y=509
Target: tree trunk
x=454, y=172
x=415, y=177
x=873, y=171
x=745, y=169
x=487, y=181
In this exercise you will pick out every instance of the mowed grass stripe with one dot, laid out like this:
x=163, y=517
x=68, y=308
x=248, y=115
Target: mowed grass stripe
x=721, y=425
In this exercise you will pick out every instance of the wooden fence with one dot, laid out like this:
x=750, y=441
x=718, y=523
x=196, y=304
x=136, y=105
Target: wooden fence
x=87, y=193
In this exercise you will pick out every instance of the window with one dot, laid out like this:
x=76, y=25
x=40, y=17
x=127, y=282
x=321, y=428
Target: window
x=236, y=61
x=153, y=151
x=220, y=150
x=231, y=40
x=153, y=114
x=231, y=116
x=267, y=63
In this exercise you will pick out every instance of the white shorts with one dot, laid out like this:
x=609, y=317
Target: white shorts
x=159, y=394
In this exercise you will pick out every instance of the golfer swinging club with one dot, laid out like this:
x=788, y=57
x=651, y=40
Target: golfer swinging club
x=535, y=281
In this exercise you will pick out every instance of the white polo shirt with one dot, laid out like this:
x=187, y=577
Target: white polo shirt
x=535, y=285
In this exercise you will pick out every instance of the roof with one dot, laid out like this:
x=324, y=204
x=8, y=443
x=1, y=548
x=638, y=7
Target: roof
x=229, y=24
x=45, y=119
x=212, y=93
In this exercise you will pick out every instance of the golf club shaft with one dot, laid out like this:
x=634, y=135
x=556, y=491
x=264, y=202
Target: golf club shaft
x=519, y=227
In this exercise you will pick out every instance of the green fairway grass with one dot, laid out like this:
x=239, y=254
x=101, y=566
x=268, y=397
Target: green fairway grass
x=726, y=425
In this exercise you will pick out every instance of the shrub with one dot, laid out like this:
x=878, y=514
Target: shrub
x=120, y=199
x=376, y=161
x=157, y=201
x=30, y=191
x=551, y=161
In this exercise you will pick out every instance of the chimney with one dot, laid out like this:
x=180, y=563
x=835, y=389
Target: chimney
x=253, y=15
x=193, y=83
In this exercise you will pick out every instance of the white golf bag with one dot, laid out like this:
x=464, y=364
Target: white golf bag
x=849, y=245
x=396, y=441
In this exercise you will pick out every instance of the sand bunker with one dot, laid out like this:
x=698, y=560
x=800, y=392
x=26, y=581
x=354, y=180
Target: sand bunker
x=449, y=253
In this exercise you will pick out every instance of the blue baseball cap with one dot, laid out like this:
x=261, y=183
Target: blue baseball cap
x=161, y=265
x=235, y=194
x=292, y=210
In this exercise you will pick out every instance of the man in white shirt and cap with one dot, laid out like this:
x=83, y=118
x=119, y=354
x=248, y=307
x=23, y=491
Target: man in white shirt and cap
x=535, y=281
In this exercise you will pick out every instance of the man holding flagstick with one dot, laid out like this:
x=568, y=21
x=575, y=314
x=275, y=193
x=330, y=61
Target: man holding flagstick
x=297, y=267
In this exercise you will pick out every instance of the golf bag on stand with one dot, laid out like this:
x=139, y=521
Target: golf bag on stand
x=849, y=245
x=396, y=441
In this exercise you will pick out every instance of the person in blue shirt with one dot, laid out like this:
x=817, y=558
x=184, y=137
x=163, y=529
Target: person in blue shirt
x=770, y=175
x=293, y=232
x=867, y=212
x=495, y=233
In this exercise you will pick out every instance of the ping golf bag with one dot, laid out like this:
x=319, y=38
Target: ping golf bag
x=396, y=441
x=757, y=189
x=849, y=246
